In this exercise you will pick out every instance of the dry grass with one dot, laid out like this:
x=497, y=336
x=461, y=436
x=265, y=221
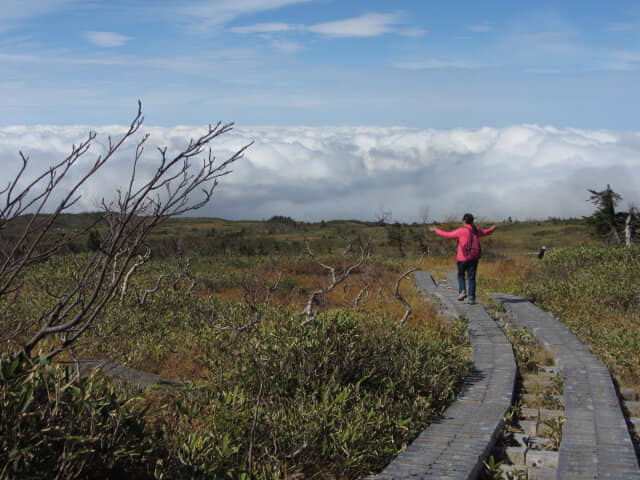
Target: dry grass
x=176, y=360
x=180, y=365
x=309, y=276
x=507, y=268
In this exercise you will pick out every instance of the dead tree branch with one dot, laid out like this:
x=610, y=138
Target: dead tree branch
x=336, y=279
x=149, y=291
x=254, y=424
x=364, y=291
x=399, y=296
x=140, y=261
x=183, y=271
x=177, y=185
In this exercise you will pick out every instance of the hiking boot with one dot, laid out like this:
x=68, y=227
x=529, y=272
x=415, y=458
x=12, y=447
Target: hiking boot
x=471, y=301
x=462, y=296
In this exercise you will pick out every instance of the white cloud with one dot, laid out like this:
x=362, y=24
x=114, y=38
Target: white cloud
x=367, y=25
x=481, y=28
x=554, y=42
x=14, y=11
x=621, y=61
x=523, y=171
x=436, y=64
x=107, y=39
x=412, y=32
x=543, y=37
x=622, y=27
x=205, y=15
x=266, y=28
x=287, y=47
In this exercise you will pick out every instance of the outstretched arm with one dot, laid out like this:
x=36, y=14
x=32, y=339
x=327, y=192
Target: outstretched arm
x=442, y=233
x=488, y=231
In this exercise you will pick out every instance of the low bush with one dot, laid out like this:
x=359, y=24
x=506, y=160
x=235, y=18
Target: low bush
x=336, y=398
x=594, y=290
x=53, y=425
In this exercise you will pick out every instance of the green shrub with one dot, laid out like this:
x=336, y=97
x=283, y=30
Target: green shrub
x=594, y=290
x=336, y=398
x=584, y=278
x=339, y=398
x=53, y=425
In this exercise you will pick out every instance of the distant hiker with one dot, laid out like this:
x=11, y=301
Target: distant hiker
x=469, y=252
x=541, y=252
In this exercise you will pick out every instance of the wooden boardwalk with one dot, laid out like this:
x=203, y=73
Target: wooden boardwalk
x=456, y=444
x=595, y=442
x=120, y=372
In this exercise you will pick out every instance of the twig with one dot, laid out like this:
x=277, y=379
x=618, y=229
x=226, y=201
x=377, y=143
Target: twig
x=399, y=296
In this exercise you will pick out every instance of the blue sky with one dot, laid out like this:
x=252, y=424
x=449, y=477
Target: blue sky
x=321, y=62
x=501, y=108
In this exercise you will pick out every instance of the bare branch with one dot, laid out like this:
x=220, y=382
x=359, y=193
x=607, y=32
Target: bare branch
x=399, y=296
x=309, y=311
x=152, y=290
x=16, y=261
x=361, y=293
x=129, y=219
x=630, y=225
x=140, y=261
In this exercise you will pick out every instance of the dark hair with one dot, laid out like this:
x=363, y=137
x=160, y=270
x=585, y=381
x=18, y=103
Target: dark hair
x=468, y=219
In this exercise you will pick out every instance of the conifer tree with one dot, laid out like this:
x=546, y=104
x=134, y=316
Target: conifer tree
x=606, y=222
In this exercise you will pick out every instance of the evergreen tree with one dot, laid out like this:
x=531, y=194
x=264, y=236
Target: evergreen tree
x=607, y=223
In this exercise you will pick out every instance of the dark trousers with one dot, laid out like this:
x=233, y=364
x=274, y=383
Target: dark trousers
x=469, y=268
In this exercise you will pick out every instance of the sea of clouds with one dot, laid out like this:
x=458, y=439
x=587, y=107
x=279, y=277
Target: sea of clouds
x=315, y=173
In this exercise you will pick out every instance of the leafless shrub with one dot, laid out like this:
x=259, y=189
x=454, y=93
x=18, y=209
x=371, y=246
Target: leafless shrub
x=177, y=185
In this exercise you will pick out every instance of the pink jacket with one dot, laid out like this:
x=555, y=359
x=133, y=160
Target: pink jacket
x=463, y=234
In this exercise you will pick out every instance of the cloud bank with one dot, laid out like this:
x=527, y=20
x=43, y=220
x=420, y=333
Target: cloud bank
x=522, y=171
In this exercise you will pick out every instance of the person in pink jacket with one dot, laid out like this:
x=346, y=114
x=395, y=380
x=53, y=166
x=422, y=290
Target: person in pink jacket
x=469, y=251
